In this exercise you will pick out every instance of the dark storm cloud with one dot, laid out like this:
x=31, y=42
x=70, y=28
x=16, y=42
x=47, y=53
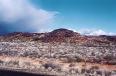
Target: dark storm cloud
x=22, y=16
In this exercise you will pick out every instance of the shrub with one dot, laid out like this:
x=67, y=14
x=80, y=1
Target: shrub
x=13, y=62
x=68, y=59
x=107, y=73
x=83, y=71
x=1, y=62
x=99, y=73
x=94, y=68
x=52, y=66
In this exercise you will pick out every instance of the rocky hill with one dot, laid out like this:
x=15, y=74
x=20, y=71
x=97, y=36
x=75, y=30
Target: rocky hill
x=61, y=52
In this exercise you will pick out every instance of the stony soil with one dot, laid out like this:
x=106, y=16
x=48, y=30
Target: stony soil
x=68, y=54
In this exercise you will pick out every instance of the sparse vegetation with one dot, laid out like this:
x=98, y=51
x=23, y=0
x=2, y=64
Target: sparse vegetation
x=61, y=51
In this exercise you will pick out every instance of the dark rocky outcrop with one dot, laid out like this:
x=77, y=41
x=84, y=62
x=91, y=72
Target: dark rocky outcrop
x=62, y=33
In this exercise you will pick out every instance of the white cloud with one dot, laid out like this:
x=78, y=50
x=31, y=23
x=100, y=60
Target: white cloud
x=95, y=32
x=24, y=15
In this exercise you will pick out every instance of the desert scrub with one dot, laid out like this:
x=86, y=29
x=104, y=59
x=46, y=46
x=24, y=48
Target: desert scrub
x=12, y=63
x=83, y=71
x=30, y=54
x=1, y=62
x=67, y=59
x=73, y=71
x=107, y=73
x=94, y=68
x=99, y=72
x=51, y=66
x=72, y=65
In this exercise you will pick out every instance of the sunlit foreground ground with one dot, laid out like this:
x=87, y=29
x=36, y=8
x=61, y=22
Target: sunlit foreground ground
x=56, y=67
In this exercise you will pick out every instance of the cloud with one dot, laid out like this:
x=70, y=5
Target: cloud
x=95, y=32
x=21, y=15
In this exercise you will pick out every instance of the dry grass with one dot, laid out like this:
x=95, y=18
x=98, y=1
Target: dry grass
x=56, y=67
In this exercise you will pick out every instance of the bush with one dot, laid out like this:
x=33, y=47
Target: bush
x=108, y=57
x=68, y=59
x=1, y=62
x=13, y=62
x=107, y=73
x=52, y=66
x=94, y=68
x=99, y=73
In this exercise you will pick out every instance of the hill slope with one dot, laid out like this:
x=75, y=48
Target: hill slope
x=60, y=52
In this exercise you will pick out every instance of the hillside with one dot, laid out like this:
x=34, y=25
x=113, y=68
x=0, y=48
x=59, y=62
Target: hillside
x=60, y=52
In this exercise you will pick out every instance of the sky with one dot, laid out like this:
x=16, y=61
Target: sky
x=91, y=17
